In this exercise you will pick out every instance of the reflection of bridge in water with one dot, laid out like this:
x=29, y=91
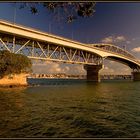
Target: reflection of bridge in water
x=43, y=46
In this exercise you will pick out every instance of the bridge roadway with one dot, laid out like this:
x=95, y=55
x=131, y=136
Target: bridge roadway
x=64, y=50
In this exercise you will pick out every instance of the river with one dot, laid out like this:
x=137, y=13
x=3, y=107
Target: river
x=71, y=109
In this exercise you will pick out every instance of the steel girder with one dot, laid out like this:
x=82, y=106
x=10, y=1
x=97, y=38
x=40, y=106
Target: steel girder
x=46, y=51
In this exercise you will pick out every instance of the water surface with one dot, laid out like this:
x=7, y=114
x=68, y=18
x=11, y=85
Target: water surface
x=69, y=108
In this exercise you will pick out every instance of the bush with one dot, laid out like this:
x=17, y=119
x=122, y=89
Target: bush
x=11, y=63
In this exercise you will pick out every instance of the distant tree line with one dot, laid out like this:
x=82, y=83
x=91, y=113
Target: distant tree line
x=11, y=63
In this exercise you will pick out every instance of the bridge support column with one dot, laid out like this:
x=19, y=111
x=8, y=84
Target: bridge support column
x=93, y=72
x=136, y=76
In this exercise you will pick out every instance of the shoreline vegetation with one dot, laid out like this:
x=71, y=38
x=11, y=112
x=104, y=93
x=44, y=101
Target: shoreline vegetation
x=14, y=69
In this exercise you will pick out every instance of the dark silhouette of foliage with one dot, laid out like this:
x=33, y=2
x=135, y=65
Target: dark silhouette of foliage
x=69, y=10
x=11, y=63
x=34, y=10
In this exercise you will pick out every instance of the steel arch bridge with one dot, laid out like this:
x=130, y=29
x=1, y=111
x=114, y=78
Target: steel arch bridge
x=43, y=46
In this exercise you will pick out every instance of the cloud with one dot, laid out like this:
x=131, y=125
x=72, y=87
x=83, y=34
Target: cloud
x=107, y=40
x=113, y=39
x=47, y=67
x=113, y=67
x=137, y=49
x=128, y=42
x=110, y=67
x=107, y=70
x=53, y=67
x=120, y=38
x=111, y=62
x=119, y=70
x=133, y=39
x=126, y=70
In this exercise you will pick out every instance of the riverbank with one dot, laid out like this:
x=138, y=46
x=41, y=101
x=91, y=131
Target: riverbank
x=15, y=80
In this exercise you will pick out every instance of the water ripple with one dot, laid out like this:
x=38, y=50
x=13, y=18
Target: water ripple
x=71, y=110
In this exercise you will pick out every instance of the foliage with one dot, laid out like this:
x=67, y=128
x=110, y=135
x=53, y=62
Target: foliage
x=11, y=63
x=69, y=10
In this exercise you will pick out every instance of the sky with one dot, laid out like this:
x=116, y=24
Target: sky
x=113, y=22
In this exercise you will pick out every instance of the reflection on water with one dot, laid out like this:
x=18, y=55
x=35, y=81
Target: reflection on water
x=71, y=109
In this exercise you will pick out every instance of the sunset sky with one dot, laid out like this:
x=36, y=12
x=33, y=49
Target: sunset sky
x=114, y=23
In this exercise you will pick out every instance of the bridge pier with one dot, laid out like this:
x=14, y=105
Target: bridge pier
x=136, y=76
x=93, y=72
